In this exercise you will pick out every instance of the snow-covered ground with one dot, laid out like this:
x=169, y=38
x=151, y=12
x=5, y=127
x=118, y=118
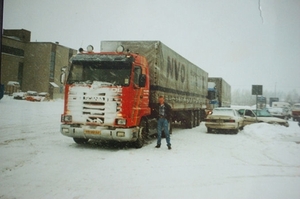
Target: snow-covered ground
x=262, y=161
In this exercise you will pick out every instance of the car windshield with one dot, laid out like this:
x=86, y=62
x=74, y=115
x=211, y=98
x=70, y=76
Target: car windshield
x=116, y=73
x=262, y=113
x=228, y=112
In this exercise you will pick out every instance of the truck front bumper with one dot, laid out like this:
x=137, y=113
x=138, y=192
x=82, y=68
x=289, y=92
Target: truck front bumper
x=100, y=133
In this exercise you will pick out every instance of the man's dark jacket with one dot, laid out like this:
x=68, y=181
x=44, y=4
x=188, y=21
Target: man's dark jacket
x=168, y=111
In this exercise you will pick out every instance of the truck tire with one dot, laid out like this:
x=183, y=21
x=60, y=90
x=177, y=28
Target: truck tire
x=143, y=134
x=198, y=120
x=194, y=118
x=190, y=121
x=80, y=140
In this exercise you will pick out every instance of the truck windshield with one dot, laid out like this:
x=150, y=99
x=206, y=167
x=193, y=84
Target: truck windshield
x=116, y=73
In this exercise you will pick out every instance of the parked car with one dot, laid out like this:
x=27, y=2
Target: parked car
x=280, y=112
x=285, y=105
x=30, y=95
x=37, y=97
x=223, y=119
x=251, y=116
x=19, y=95
x=43, y=96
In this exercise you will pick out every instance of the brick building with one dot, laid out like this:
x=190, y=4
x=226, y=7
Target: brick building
x=35, y=65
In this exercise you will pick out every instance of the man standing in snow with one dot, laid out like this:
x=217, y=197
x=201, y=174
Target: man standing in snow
x=164, y=114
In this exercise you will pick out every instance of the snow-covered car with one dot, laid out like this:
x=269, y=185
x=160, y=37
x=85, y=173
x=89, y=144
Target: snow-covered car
x=30, y=95
x=279, y=112
x=43, y=96
x=19, y=95
x=37, y=97
x=251, y=116
x=223, y=119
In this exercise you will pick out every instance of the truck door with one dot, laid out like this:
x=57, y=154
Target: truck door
x=141, y=100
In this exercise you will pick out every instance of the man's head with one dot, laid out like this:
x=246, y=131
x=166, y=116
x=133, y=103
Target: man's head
x=161, y=100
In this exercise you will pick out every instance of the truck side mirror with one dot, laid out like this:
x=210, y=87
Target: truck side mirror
x=63, y=75
x=142, y=82
x=63, y=78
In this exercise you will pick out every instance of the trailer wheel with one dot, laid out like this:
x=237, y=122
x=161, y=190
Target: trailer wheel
x=80, y=140
x=143, y=134
x=198, y=120
x=189, y=123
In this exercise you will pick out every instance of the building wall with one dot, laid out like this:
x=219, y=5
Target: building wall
x=10, y=68
x=36, y=66
x=21, y=34
x=33, y=64
x=12, y=59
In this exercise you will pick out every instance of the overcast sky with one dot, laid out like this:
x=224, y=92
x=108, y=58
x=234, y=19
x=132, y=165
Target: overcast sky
x=247, y=42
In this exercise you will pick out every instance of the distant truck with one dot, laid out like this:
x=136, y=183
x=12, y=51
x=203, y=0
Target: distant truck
x=273, y=99
x=296, y=112
x=218, y=93
x=110, y=95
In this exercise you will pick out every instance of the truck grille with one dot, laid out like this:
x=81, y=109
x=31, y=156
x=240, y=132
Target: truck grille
x=98, y=106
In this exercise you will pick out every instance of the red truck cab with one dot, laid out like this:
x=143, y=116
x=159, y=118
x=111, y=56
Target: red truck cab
x=106, y=97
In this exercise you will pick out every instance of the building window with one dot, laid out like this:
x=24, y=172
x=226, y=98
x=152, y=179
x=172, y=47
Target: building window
x=20, y=74
x=52, y=64
x=12, y=50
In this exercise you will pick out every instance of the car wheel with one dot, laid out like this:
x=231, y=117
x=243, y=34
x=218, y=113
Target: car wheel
x=209, y=130
x=236, y=131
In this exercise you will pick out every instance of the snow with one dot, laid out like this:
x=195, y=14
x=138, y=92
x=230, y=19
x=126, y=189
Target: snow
x=261, y=161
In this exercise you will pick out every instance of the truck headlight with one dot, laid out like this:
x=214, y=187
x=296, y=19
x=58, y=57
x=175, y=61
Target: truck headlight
x=120, y=133
x=121, y=122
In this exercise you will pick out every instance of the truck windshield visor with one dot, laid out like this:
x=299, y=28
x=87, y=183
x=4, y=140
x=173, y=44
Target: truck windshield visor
x=114, y=72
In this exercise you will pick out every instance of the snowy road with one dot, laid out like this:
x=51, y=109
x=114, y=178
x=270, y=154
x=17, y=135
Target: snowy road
x=262, y=161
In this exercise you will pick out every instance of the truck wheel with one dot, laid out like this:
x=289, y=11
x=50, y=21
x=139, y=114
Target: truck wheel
x=190, y=120
x=80, y=140
x=143, y=134
x=198, y=120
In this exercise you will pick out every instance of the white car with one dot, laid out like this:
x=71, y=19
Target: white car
x=279, y=112
x=251, y=116
x=225, y=120
x=19, y=95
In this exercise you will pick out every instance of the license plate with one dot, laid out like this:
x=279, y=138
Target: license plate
x=94, y=132
x=220, y=121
